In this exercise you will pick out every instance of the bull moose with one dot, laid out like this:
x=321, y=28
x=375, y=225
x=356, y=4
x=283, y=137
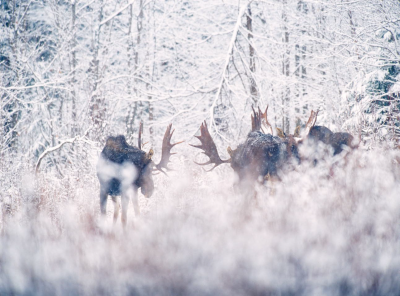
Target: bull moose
x=261, y=156
x=321, y=134
x=337, y=141
x=123, y=168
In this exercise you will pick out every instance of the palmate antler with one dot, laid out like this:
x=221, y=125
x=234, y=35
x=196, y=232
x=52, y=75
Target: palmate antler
x=208, y=145
x=311, y=122
x=140, y=135
x=265, y=125
x=255, y=120
x=259, y=121
x=166, y=149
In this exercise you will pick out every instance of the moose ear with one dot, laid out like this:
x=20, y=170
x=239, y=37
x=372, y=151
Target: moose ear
x=297, y=132
x=281, y=134
x=149, y=155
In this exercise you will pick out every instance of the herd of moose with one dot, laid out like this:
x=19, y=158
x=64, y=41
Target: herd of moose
x=122, y=169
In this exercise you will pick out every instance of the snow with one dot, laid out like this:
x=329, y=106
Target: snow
x=320, y=230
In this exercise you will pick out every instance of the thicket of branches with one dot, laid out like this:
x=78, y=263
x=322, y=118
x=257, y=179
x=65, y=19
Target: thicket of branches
x=95, y=68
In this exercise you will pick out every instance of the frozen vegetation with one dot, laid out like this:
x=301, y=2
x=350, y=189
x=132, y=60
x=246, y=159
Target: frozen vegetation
x=329, y=230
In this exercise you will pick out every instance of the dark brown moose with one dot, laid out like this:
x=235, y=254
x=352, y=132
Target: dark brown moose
x=123, y=169
x=336, y=140
x=321, y=134
x=260, y=157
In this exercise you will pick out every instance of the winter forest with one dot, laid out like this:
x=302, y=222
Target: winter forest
x=74, y=72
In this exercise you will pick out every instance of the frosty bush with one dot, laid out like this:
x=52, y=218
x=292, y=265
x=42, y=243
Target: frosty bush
x=332, y=229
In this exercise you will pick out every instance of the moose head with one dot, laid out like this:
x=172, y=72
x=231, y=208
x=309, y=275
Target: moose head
x=293, y=140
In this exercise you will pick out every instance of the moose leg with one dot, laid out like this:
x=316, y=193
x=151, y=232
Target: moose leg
x=103, y=199
x=124, y=204
x=135, y=201
x=116, y=208
x=272, y=180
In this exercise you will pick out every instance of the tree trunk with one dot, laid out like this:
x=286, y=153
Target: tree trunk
x=134, y=108
x=73, y=66
x=252, y=65
x=285, y=72
x=97, y=108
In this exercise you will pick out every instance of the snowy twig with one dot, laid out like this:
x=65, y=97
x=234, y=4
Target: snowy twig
x=52, y=149
x=117, y=12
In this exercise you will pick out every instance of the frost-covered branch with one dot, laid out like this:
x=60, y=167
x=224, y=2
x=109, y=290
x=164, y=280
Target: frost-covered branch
x=59, y=146
x=226, y=64
x=117, y=12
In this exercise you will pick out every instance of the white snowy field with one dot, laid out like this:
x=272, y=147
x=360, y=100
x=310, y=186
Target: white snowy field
x=329, y=230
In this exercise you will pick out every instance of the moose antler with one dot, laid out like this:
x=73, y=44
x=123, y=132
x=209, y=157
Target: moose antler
x=265, y=125
x=208, y=145
x=259, y=121
x=166, y=149
x=255, y=120
x=140, y=135
x=311, y=122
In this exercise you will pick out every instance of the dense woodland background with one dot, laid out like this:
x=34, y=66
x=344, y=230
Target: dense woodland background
x=74, y=72
x=95, y=68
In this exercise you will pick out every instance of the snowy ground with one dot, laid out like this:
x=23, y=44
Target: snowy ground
x=330, y=230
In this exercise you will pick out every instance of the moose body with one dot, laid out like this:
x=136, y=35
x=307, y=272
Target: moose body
x=336, y=140
x=123, y=169
x=261, y=155
x=118, y=151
